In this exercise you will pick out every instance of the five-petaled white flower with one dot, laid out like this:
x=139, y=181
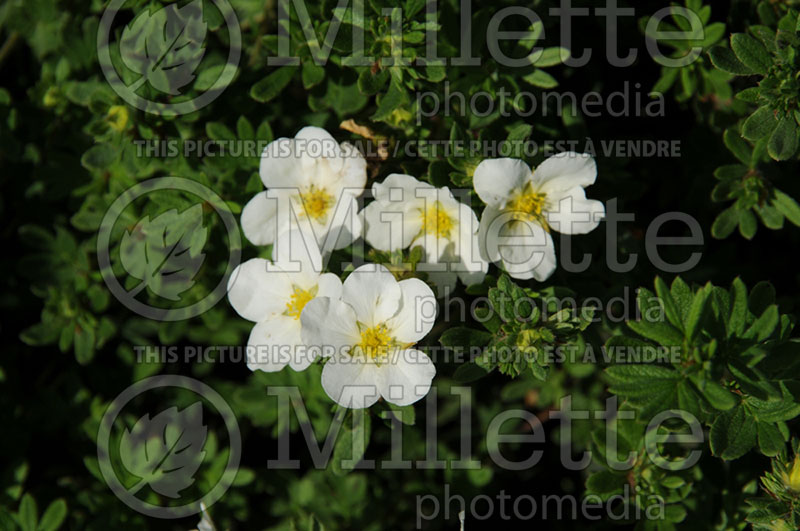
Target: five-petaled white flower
x=523, y=205
x=408, y=212
x=312, y=182
x=369, y=335
x=273, y=295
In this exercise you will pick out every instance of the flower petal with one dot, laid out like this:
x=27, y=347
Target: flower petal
x=417, y=312
x=373, y=293
x=275, y=343
x=388, y=226
x=297, y=253
x=256, y=293
x=260, y=219
x=350, y=382
x=571, y=213
x=407, y=377
x=530, y=254
x=565, y=171
x=329, y=324
x=281, y=166
x=496, y=179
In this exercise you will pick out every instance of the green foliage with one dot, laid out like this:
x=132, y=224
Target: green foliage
x=522, y=327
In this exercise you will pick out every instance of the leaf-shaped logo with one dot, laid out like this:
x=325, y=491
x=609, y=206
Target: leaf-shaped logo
x=164, y=253
x=165, y=451
x=165, y=47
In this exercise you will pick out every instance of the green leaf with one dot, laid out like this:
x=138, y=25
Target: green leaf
x=786, y=206
x=551, y=56
x=670, y=306
x=724, y=59
x=219, y=131
x=311, y=74
x=696, y=311
x=738, y=147
x=461, y=336
x=763, y=327
x=273, y=84
x=725, y=223
x=682, y=295
x=53, y=516
x=733, y=434
x=770, y=216
x=761, y=296
x=738, y=308
x=469, y=372
x=394, y=98
x=99, y=157
x=751, y=53
x=783, y=142
x=719, y=397
x=605, y=483
x=747, y=224
x=759, y=124
x=540, y=78
x=770, y=440
x=27, y=515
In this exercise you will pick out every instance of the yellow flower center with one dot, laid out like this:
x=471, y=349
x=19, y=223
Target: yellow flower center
x=527, y=205
x=316, y=202
x=298, y=301
x=375, y=342
x=436, y=221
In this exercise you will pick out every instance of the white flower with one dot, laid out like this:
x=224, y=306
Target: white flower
x=312, y=182
x=273, y=295
x=522, y=206
x=408, y=212
x=369, y=335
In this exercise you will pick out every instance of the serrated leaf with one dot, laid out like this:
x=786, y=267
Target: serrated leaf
x=164, y=253
x=733, y=434
x=165, y=47
x=166, y=450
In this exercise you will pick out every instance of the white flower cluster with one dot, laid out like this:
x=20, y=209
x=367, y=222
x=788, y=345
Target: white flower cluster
x=366, y=328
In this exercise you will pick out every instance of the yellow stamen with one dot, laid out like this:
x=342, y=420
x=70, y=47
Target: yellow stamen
x=316, y=202
x=527, y=205
x=298, y=301
x=436, y=221
x=375, y=342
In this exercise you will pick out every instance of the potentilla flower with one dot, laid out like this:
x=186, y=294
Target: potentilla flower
x=369, y=335
x=274, y=294
x=312, y=183
x=407, y=212
x=522, y=206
